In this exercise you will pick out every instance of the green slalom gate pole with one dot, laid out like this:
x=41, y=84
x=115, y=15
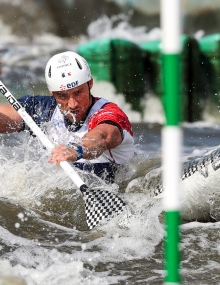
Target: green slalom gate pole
x=171, y=135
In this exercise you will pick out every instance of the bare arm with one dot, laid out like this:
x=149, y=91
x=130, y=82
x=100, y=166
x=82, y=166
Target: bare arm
x=10, y=120
x=94, y=143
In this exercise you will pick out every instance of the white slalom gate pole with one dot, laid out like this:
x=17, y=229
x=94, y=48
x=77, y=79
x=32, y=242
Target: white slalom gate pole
x=171, y=134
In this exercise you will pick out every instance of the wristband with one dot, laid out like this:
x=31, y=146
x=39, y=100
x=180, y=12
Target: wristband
x=78, y=148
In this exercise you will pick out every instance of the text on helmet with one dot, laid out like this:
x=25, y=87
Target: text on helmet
x=69, y=85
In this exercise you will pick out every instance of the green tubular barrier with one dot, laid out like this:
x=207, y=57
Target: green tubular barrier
x=153, y=65
x=191, y=84
x=210, y=59
x=120, y=62
x=98, y=55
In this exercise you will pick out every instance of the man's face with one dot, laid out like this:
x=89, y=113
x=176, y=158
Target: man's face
x=75, y=102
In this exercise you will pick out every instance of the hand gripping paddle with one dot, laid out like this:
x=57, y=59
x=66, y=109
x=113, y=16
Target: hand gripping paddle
x=99, y=204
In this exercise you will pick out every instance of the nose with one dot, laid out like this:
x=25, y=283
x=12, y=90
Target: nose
x=72, y=103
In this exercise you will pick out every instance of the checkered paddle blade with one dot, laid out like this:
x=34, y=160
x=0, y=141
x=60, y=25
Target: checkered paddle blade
x=101, y=205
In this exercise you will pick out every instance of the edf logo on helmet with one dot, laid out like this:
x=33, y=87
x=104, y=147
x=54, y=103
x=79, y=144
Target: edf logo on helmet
x=65, y=71
x=69, y=85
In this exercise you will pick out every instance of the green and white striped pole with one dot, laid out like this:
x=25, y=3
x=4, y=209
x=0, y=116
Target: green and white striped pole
x=171, y=135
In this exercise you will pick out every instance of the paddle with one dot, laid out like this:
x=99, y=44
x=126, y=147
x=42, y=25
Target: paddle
x=99, y=204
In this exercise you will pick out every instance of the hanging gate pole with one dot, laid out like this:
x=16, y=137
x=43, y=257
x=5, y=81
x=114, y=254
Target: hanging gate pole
x=171, y=135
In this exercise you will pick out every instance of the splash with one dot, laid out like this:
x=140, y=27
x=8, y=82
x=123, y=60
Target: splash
x=118, y=26
x=68, y=112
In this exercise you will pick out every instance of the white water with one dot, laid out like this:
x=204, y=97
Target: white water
x=63, y=255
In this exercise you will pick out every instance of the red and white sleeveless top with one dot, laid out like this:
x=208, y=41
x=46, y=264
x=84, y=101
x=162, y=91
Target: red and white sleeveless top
x=102, y=110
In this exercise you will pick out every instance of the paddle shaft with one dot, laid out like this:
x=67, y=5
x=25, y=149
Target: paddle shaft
x=69, y=170
x=99, y=205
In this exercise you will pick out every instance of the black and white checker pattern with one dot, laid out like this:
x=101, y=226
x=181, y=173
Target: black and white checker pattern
x=101, y=205
x=199, y=164
x=158, y=190
x=189, y=170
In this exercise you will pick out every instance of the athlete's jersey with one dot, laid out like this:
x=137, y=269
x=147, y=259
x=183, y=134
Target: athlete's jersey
x=44, y=109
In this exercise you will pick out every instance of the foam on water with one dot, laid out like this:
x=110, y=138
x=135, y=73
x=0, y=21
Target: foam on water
x=115, y=244
x=118, y=27
x=38, y=242
x=41, y=252
x=53, y=268
x=50, y=258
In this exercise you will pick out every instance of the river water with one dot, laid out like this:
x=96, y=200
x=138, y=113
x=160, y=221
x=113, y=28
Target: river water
x=44, y=238
x=43, y=234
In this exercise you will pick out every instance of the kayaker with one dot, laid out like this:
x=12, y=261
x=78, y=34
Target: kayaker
x=100, y=136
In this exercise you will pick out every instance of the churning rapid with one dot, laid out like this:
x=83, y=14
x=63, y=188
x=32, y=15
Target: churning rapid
x=44, y=237
x=43, y=226
x=199, y=185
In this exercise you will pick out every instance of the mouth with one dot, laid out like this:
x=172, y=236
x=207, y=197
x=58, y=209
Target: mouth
x=72, y=115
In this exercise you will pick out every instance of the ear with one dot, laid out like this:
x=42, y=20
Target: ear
x=51, y=93
x=90, y=83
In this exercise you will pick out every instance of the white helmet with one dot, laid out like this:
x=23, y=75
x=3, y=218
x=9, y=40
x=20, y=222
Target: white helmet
x=66, y=70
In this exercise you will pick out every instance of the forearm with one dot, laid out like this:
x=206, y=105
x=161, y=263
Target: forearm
x=93, y=147
x=94, y=143
x=10, y=120
x=100, y=139
x=8, y=125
